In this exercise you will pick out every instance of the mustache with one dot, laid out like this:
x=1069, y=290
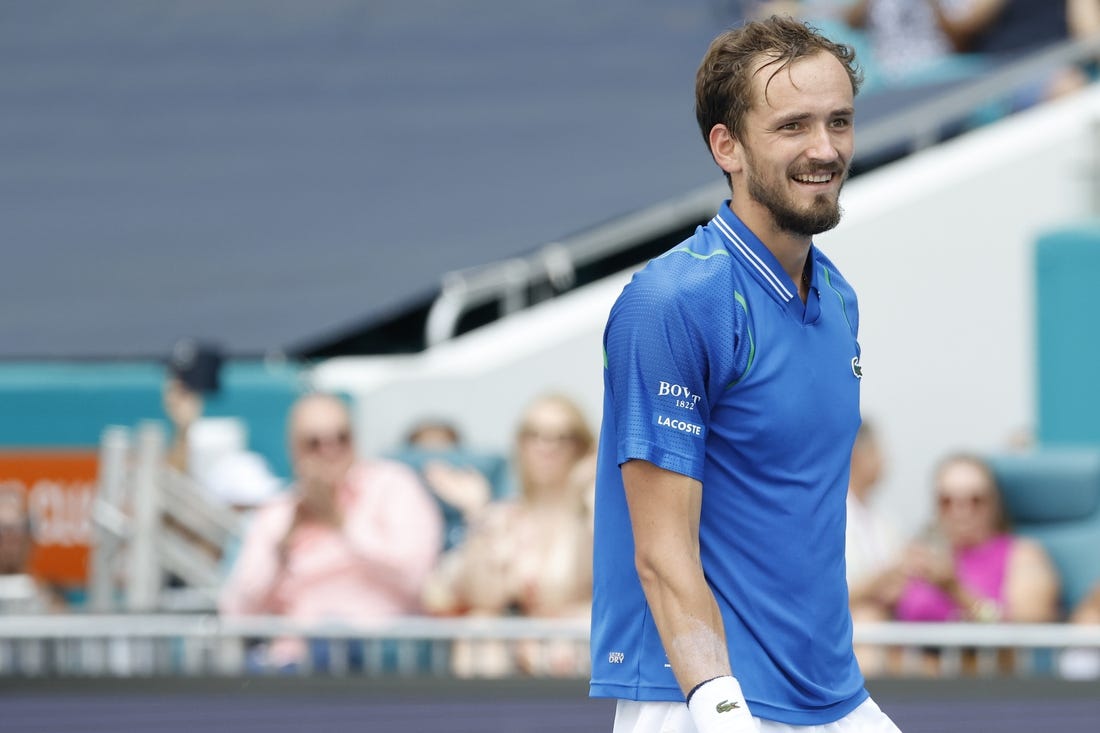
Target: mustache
x=813, y=170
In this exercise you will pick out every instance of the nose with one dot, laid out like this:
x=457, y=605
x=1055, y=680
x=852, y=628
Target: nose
x=823, y=148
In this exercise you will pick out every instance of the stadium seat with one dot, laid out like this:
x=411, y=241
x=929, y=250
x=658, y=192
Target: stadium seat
x=1053, y=496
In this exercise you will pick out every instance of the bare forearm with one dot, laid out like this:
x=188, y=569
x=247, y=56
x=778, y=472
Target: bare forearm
x=1088, y=611
x=664, y=512
x=689, y=623
x=1032, y=586
x=964, y=29
x=1083, y=18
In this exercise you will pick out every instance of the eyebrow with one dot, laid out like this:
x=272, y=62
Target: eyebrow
x=800, y=116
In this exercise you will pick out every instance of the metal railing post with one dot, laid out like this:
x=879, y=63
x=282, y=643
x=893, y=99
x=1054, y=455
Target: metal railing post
x=144, y=576
x=114, y=450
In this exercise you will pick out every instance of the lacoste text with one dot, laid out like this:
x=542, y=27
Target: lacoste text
x=682, y=426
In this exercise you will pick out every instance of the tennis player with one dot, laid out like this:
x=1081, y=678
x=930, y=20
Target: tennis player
x=731, y=405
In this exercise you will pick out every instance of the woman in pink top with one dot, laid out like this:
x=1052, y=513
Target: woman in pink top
x=970, y=567
x=354, y=541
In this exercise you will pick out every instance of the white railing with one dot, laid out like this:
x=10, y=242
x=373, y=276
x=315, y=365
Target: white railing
x=150, y=521
x=145, y=645
x=910, y=129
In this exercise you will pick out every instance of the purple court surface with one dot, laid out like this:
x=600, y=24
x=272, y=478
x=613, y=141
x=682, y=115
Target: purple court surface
x=522, y=706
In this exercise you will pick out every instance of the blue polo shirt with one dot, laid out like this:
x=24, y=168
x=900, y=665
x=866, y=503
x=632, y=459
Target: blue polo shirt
x=715, y=369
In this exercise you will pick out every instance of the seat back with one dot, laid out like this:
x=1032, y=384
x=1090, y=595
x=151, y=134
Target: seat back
x=1053, y=496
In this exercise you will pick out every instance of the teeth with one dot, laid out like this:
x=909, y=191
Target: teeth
x=821, y=178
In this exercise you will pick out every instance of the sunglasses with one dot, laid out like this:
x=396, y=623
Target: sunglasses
x=969, y=501
x=317, y=442
x=534, y=435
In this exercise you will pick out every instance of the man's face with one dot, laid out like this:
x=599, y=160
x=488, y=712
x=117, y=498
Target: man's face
x=797, y=144
x=321, y=441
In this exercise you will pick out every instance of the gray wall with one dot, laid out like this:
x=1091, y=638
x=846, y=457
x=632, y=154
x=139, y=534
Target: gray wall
x=940, y=250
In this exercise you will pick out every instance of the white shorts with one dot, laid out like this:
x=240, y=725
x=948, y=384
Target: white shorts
x=673, y=717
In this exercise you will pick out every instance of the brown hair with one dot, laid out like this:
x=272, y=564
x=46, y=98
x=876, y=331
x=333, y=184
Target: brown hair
x=723, y=83
x=581, y=432
x=584, y=441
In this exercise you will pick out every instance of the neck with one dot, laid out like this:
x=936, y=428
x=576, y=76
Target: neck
x=790, y=249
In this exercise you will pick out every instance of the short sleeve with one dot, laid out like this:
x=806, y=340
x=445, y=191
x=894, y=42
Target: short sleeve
x=658, y=365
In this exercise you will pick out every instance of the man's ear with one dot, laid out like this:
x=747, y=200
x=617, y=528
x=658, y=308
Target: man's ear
x=725, y=148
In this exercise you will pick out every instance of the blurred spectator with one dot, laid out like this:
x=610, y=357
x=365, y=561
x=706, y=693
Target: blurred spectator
x=462, y=480
x=1082, y=22
x=353, y=541
x=1083, y=18
x=434, y=434
x=210, y=450
x=532, y=555
x=872, y=542
x=913, y=41
x=872, y=548
x=812, y=10
x=1083, y=663
x=1026, y=26
x=1020, y=26
x=1088, y=610
x=194, y=371
x=969, y=566
x=20, y=592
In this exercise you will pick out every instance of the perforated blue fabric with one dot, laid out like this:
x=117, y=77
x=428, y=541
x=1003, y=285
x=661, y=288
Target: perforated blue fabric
x=715, y=369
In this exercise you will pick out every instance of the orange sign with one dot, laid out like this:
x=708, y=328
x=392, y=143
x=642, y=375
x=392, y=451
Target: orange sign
x=59, y=486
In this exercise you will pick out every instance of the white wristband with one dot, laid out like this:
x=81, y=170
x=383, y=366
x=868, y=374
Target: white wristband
x=718, y=706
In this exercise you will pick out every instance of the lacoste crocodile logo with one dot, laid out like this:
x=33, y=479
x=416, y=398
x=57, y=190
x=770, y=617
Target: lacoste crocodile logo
x=725, y=706
x=857, y=368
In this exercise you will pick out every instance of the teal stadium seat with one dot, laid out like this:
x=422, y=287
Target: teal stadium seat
x=58, y=405
x=1067, y=268
x=493, y=466
x=1053, y=496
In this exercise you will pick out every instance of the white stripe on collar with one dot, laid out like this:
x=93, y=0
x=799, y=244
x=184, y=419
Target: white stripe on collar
x=753, y=258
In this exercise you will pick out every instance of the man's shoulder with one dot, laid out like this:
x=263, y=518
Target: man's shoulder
x=696, y=269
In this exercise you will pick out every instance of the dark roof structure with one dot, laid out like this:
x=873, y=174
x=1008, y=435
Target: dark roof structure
x=280, y=177
x=271, y=175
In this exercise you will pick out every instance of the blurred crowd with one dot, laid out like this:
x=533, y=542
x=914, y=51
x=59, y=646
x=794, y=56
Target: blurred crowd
x=967, y=565
x=445, y=529
x=904, y=43
x=439, y=528
x=913, y=51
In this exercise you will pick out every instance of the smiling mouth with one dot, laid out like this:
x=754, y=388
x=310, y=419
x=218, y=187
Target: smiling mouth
x=814, y=178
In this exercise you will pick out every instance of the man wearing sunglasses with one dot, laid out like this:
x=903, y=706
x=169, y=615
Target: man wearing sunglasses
x=352, y=541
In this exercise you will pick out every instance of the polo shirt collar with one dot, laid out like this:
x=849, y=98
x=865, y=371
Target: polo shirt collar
x=762, y=264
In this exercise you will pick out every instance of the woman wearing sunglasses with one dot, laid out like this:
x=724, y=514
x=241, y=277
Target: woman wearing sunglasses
x=970, y=566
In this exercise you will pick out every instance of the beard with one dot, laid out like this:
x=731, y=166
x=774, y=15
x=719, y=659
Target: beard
x=820, y=216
